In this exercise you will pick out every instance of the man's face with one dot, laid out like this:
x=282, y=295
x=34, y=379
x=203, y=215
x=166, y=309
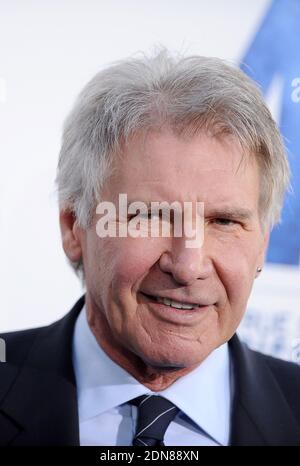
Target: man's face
x=123, y=274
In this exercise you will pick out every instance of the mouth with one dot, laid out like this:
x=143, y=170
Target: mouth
x=172, y=303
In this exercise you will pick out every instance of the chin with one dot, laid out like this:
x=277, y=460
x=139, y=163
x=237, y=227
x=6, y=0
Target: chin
x=169, y=369
x=173, y=361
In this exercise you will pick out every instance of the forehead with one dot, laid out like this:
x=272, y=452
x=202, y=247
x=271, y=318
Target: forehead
x=164, y=166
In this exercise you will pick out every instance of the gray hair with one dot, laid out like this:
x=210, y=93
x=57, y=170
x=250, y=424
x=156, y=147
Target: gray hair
x=186, y=93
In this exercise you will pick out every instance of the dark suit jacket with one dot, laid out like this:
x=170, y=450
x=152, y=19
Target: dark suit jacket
x=38, y=403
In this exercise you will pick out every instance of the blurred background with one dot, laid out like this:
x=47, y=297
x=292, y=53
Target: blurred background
x=48, y=50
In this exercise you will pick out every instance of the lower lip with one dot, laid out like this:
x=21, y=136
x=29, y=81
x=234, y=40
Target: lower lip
x=174, y=314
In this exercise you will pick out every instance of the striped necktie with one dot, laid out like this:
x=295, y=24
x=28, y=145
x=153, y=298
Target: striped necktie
x=154, y=416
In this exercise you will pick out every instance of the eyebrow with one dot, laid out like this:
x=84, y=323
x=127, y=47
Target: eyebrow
x=232, y=213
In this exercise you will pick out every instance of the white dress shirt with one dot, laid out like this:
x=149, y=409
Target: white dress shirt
x=104, y=388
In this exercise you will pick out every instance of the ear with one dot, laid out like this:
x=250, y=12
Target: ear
x=263, y=250
x=71, y=235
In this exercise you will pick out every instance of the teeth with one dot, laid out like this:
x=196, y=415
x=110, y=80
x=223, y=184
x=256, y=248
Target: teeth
x=183, y=306
x=176, y=304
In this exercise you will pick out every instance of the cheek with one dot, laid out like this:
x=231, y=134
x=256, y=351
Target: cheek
x=133, y=259
x=235, y=266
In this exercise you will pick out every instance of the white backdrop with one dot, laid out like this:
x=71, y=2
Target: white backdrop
x=48, y=50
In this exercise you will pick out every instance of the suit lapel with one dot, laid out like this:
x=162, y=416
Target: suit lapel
x=40, y=403
x=260, y=413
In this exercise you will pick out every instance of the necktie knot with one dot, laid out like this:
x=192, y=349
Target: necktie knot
x=154, y=416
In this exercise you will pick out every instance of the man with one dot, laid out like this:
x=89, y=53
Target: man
x=149, y=355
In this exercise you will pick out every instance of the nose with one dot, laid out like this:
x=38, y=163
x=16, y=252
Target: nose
x=186, y=264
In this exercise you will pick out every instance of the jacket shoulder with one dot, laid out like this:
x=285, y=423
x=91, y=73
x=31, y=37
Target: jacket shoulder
x=45, y=338
x=287, y=377
x=280, y=367
x=18, y=343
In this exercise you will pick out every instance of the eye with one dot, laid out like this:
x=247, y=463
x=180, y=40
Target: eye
x=148, y=215
x=151, y=214
x=225, y=221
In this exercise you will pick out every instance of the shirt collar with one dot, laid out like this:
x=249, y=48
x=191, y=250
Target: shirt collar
x=203, y=394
